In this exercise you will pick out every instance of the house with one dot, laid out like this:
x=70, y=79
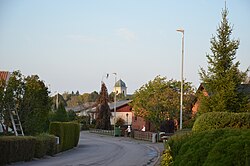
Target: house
x=83, y=109
x=201, y=89
x=138, y=123
x=4, y=76
x=243, y=88
x=123, y=110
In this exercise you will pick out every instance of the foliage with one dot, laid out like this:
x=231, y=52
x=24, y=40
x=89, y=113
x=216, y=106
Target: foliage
x=60, y=115
x=223, y=76
x=25, y=148
x=119, y=97
x=120, y=122
x=11, y=97
x=45, y=145
x=213, y=147
x=103, y=110
x=35, y=107
x=84, y=122
x=166, y=158
x=73, y=100
x=71, y=115
x=68, y=133
x=216, y=120
x=15, y=149
x=159, y=99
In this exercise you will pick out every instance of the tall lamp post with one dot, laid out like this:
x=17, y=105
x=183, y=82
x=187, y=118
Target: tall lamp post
x=182, y=56
x=115, y=103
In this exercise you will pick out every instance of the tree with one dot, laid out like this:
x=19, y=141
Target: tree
x=93, y=96
x=35, y=106
x=160, y=99
x=72, y=115
x=61, y=114
x=103, y=110
x=223, y=76
x=11, y=97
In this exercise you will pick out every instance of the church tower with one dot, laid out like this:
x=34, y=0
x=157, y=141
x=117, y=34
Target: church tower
x=120, y=88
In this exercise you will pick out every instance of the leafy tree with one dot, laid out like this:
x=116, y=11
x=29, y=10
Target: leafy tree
x=160, y=99
x=120, y=122
x=119, y=96
x=223, y=77
x=93, y=96
x=36, y=105
x=103, y=110
x=11, y=97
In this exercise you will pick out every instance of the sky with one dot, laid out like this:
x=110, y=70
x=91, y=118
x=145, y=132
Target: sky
x=72, y=44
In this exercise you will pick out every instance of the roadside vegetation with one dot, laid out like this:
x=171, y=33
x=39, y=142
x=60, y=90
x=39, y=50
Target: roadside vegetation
x=29, y=96
x=221, y=132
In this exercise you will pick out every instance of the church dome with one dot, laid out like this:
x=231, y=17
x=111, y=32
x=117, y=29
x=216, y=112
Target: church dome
x=120, y=83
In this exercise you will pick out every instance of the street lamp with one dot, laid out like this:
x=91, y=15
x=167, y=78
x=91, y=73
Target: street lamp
x=115, y=103
x=182, y=56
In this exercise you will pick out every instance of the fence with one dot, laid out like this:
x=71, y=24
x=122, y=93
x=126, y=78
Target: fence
x=100, y=131
x=143, y=135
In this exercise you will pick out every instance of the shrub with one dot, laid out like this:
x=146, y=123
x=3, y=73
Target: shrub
x=212, y=147
x=68, y=133
x=45, y=145
x=166, y=158
x=15, y=149
x=216, y=120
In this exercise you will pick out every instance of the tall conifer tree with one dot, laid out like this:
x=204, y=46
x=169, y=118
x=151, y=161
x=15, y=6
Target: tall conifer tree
x=103, y=110
x=223, y=77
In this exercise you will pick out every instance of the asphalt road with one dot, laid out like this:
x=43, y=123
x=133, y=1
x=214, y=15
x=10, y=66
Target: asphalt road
x=100, y=150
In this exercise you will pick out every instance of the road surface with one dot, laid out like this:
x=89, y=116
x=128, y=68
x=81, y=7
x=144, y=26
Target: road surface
x=100, y=150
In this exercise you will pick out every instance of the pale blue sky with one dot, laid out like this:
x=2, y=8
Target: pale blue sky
x=72, y=44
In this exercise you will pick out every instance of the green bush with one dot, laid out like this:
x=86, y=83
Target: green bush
x=212, y=147
x=45, y=145
x=68, y=133
x=217, y=120
x=15, y=149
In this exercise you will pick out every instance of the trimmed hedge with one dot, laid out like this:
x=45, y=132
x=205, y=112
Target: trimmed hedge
x=25, y=148
x=15, y=149
x=45, y=145
x=213, y=147
x=217, y=120
x=68, y=133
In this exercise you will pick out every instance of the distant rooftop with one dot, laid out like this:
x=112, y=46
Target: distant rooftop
x=4, y=75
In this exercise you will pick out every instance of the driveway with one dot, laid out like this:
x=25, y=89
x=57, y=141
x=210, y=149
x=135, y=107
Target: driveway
x=100, y=150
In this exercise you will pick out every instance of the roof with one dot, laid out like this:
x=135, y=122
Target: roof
x=120, y=83
x=119, y=104
x=111, y=105
x=4, y=75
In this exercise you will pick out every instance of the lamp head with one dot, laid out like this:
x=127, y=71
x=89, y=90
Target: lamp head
x=180, y=30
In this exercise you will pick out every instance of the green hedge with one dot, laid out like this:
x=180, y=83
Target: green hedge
x=24, y=148
x=212, y=147
x=15, y=149
x=68, y=133
x=45, y=145
x=216, y=120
